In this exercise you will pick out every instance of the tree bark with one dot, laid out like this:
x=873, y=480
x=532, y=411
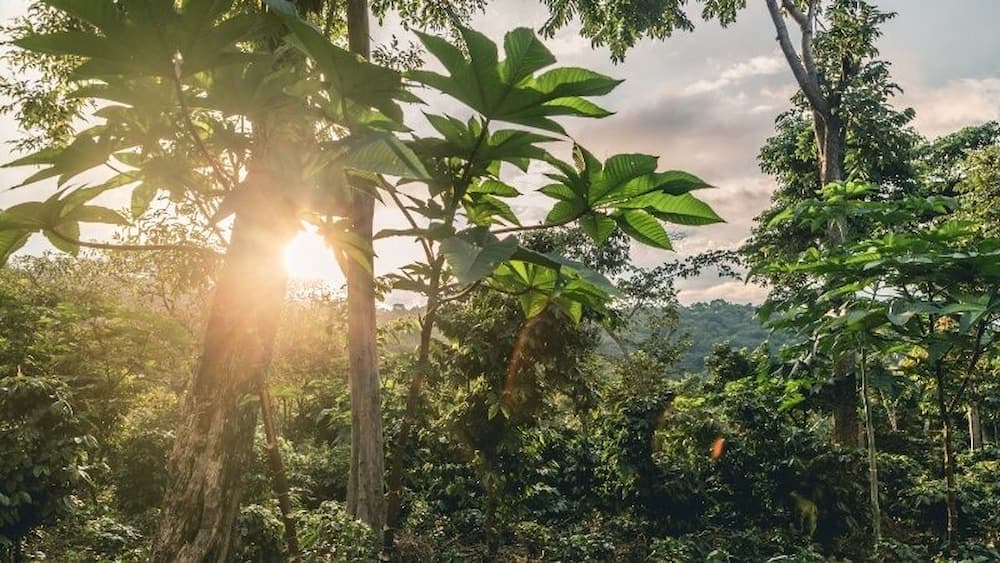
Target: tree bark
x=846, y=427
x=393, y=501
x=214, y=444
x=365, y=491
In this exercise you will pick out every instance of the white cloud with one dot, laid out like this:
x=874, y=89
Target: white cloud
x=757, y=66
x=732, y=291
x=956, y=104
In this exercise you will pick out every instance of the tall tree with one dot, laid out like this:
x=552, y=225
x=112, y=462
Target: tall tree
x=364, y=488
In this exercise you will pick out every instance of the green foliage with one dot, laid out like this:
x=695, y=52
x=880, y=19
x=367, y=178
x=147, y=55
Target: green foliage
x=46, y=452
x=619, y=25
x=260, y=537
x=329, y=534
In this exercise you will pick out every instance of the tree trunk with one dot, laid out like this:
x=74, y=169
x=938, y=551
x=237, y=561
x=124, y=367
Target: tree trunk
x=890, y=412
x=949, y=456
x=364, y=485
x=872, y=464
x=846, y=429
x=393, y=502
x=214, y=444
x=830, y=144
x=279, y=481
x=975, y=428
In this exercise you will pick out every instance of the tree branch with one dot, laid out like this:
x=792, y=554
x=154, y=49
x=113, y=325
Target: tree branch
x=217, y=171
x=809, y=83
x=977, y=351
x=525, y=228
x=133, y=247
x=466, y=291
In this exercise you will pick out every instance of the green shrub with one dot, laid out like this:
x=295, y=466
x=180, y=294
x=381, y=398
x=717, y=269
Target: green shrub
x=329, y=534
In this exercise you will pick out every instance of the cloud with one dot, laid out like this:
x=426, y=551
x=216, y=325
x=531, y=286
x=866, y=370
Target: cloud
x=757, y=66
x=956, y=104
x=733, y=291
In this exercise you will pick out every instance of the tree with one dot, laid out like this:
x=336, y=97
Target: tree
x=45, y=451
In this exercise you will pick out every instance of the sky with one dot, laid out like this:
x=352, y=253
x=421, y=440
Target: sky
x=704, y=102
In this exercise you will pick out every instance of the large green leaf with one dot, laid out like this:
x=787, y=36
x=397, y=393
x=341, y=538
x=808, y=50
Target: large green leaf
x=682, y=210
x=508, y=90
x=597, y=226
x=11, y=240
x=347, y=75
x=644, y=228
x=471, y=263
x=380, y=153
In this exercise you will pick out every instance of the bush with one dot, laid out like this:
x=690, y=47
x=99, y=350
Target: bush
x=329, y=534
x=260, y=537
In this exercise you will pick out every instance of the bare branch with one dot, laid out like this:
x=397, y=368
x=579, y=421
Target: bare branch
x=809, y=83
x=132, y=247
x=797, y=15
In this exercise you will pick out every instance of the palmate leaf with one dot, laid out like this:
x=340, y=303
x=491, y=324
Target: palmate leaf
x=541, y=283
x=62, y=212
x=508, y=90
x=471, y=263
x=85, y=152
x=348, y=76
x=380, y=153
x=625, y=190
x=126, y=42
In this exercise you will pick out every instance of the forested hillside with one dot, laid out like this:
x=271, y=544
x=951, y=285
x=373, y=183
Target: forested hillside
x=171, y=390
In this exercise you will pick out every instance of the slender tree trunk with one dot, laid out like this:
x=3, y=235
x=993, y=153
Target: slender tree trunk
x=490, y=523
x=393, y=502
x=846, y=427
x=872, y=462
x=949, y=456
x=830, y=144
x=365, y=492
x=975, y=428
x=214, y=443
x=279, y=482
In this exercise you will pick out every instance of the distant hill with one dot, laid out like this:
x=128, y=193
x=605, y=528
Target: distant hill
x=704, y=323
x=717, y=321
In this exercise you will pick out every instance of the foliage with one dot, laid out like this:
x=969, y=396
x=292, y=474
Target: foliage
x=45, y=454
x=329, y=534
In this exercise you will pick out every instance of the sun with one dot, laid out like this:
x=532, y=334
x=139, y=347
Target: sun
x=308, y=258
